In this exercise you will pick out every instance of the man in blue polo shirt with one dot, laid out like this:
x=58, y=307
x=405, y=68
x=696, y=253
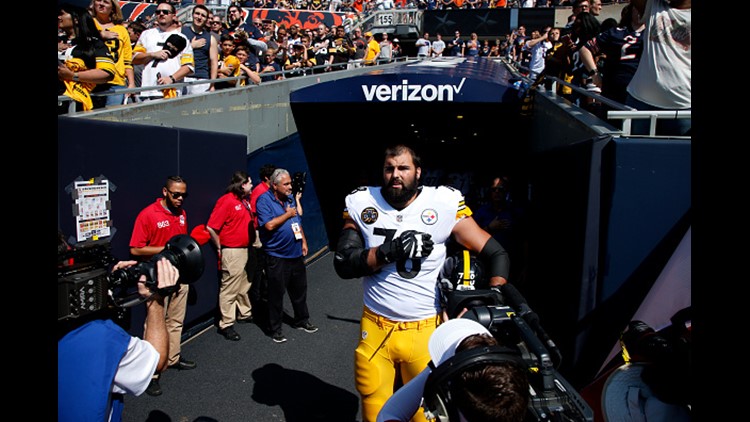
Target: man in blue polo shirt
x=285, y=245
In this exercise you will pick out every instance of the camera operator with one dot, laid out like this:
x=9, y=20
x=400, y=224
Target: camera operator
x=99, y=362
x=492, y=391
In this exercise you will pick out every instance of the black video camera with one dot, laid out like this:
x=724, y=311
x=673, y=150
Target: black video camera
x=505, y=313
x=85, y=285
x=298, y=182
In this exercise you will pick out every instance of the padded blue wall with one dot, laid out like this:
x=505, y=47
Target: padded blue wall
x=137, y=159
x=607, y=214
x=650, y=184
x=288, y=154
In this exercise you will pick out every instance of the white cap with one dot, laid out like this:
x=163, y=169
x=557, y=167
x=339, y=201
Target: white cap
x=448, y=335
x=626, y=397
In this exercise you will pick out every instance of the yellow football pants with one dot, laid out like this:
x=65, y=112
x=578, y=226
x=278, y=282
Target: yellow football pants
x=386, y=346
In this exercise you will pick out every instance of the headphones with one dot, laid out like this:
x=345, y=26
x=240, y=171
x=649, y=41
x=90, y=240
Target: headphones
x=438, y=403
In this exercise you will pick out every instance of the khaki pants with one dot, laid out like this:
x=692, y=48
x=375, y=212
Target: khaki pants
x=233, y=291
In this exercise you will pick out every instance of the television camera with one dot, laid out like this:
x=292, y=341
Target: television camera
x=507, y=315
x=299, y=179
x=85, y=284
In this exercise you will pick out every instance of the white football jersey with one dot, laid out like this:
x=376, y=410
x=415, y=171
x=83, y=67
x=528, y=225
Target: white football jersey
x=405, y=290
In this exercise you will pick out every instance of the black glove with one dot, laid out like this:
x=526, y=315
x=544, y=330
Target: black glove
x=411, y=244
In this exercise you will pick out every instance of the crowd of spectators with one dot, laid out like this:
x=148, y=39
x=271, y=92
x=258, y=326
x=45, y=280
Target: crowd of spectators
x=254, y=50
x=602, y=56
x=358, y=6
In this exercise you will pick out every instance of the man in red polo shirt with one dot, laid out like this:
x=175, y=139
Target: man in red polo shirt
x=154, y=226
x=232, y=232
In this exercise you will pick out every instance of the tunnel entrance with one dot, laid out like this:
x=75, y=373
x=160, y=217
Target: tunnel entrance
x=462, y=116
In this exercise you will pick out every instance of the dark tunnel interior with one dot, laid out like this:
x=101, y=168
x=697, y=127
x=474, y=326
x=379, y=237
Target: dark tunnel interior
x=459, y=143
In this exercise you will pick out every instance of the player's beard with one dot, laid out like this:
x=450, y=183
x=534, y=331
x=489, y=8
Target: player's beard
x=398, y=198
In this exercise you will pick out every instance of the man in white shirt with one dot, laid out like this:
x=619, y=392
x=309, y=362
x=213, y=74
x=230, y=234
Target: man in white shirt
x=162, y=65
x=423, y=45
x=438, y=46
x=663, y=78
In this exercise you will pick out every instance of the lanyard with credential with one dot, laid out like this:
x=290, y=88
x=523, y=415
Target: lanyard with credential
x=296, y=228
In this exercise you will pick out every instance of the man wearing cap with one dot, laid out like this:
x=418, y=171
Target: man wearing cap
x=360, y=43
x=497, y=391
x=297, y=60
x=373, y=49
x=397, y=52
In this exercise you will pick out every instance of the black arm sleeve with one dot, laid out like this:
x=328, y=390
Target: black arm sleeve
x=350, y=259
x=495, y=255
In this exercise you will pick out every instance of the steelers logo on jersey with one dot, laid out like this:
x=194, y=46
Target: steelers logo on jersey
x=369, y=215
x=429, y=217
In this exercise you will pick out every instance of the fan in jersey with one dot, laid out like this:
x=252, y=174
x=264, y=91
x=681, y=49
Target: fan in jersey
x=87, y=62
x=108, y=17
x=394, y=237
x=622, y=48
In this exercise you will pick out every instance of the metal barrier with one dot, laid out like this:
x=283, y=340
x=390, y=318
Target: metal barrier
x=652, y=115
x=61, y=99
x=620, y=111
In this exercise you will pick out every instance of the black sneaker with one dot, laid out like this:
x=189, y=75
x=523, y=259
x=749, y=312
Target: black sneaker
x=307, y=327
x=279, y=338
x=154, y=389
x=229, y=333
x=183, y=364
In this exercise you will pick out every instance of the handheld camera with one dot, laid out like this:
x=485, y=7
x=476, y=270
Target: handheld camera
x=85, y=284
x=299, y=179
x=505, y=314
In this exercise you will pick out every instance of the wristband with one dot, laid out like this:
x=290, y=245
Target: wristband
x=172, y=78
x=75, y=77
